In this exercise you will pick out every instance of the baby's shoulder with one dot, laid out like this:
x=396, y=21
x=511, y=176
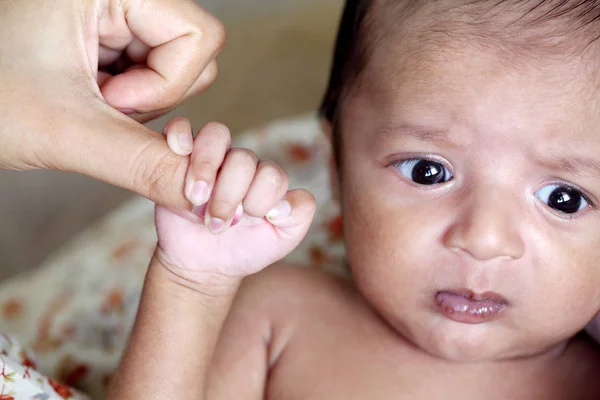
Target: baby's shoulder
x=269, y=309
x=284, y=293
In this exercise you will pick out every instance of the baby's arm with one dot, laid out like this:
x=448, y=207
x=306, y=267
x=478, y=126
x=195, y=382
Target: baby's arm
x=198, y=266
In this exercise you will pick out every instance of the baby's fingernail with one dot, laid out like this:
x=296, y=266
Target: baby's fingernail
x=127, y=111
x=184, y=140
x=282, y=210
x=200, y=210
x=199, y=193
x=215, y=225
x=239, y=212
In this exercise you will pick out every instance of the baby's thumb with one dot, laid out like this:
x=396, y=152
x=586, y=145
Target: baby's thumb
x=293, y=215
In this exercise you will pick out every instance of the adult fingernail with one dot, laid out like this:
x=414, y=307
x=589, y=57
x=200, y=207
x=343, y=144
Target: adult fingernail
x=185, y=142
x=199, y=193
x=215, y=225
x=282, y=210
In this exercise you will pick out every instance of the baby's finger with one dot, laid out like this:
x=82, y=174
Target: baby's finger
x=179, y=136
x=270, y=184
x=235, y=177
x=293, y=215
x=210, y=146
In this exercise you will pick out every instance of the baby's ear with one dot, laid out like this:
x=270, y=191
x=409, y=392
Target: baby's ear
x=327, y=129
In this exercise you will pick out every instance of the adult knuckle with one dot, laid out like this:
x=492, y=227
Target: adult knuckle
x=210, y=31
x=152, y=174
x=215, y=33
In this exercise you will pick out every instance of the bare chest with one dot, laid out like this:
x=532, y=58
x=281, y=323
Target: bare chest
x=337, y=362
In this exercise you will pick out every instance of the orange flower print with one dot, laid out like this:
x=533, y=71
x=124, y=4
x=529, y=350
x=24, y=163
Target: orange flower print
x=335, y=228
x=114, y=301
x=318, y=257
x=11, y=309
x=61, y=389
x=45, y=341
x=124, y=249
x=26, y=361
x=71, y=371
x=6, y=396
x=68, y=331
x=300, y=153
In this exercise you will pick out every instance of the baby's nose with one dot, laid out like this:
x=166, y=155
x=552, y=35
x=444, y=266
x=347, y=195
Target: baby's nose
x=487, y=226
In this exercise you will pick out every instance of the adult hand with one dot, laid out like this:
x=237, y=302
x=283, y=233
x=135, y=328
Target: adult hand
x=76, y=76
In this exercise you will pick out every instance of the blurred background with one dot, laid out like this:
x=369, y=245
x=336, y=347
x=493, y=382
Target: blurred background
x=275, y=64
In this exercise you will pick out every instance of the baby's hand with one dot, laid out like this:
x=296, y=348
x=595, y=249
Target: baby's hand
x=244, y=218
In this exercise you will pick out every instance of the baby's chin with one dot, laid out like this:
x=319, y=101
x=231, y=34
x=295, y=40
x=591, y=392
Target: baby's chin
x=468, y=343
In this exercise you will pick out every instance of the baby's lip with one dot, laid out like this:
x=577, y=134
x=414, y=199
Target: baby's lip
x=477, y=297
x=469, y=307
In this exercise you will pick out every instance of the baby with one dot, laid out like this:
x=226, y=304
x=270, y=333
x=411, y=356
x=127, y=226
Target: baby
x=467, y=153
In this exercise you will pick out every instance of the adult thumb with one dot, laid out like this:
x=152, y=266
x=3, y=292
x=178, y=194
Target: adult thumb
x=106, y=145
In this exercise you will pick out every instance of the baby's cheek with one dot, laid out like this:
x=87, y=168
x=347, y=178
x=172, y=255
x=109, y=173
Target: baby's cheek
x=376, y=233
x=581, y=272
x=364, y=222
x=568, y=293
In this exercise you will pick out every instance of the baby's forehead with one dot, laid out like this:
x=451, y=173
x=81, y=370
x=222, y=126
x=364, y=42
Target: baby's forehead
x=416, y=39
x=474, y=87
x=529, y=27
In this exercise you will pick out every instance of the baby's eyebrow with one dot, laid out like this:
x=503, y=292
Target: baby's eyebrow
x=390, y=132
x=572, y=164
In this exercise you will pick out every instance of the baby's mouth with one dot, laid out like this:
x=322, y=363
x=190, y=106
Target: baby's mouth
x=465, y=306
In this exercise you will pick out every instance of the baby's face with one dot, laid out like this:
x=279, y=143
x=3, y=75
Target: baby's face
x=470, y=186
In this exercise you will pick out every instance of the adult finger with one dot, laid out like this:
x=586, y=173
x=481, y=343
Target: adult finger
x=179, y=136
x=204, y=80
x=188, y=39
x=104, y=144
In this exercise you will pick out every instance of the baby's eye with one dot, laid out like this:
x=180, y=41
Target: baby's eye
x=423, y=171
x=562, y=198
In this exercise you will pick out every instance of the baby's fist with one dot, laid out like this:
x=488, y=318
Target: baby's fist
x=244, y=218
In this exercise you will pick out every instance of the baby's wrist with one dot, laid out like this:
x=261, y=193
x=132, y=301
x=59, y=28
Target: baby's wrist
x=210, y=286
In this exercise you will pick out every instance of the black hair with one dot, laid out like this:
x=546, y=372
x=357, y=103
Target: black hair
x=348, y=57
